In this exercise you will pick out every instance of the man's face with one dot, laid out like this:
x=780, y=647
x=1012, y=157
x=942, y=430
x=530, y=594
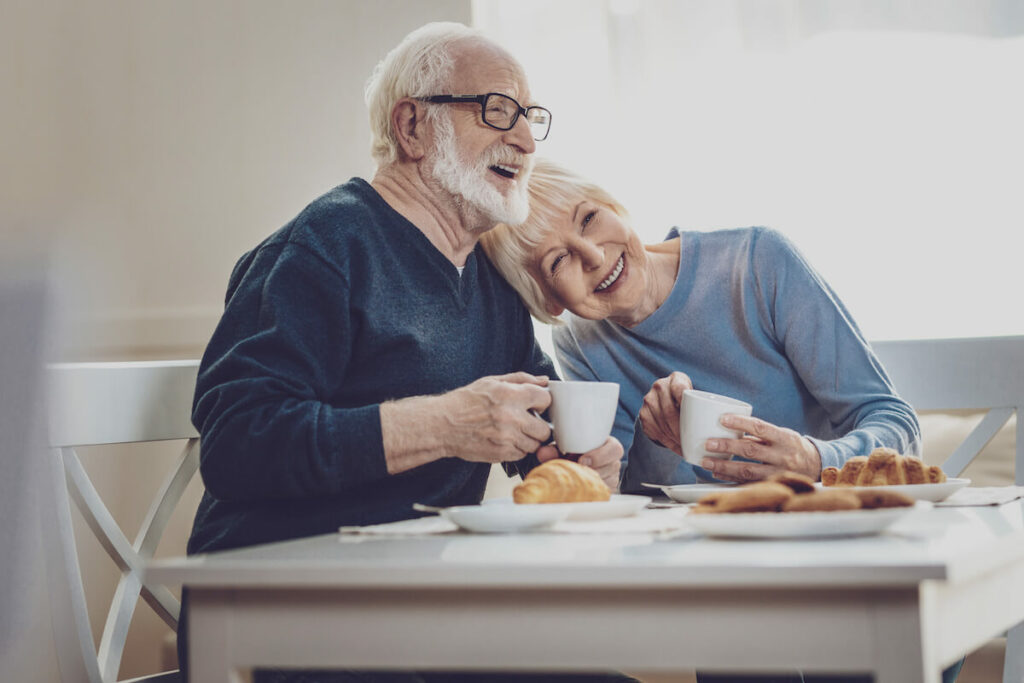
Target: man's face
x=485, y=168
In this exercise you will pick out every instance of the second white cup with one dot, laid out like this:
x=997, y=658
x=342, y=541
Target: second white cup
x=699, y=418
x=582, y=414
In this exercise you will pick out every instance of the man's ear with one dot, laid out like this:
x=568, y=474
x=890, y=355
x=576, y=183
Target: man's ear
x=407, y=122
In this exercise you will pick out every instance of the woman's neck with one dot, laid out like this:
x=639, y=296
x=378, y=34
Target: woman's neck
x=660, y=273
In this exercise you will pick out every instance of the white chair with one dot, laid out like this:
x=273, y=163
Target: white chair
x=967, y=374
x=110, y=403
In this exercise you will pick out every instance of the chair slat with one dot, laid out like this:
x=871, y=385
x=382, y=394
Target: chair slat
x=976, y=441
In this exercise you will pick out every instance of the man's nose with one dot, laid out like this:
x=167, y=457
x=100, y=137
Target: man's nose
x=521, y=136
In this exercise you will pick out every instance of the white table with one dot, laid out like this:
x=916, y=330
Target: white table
x=903, y=605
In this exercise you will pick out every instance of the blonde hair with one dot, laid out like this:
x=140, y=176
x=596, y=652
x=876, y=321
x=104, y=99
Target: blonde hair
x=420, y=65
x=553, y=190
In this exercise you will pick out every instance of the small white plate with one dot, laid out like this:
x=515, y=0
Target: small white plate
x=800, y=524
x=689, y=493
x=504, y=518
x=930, y=492
x=620, y=505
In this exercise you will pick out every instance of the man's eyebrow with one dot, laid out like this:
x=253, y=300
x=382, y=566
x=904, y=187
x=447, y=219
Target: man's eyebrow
x=576, y=211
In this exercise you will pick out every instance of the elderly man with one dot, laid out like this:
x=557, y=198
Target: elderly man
x=369, y=355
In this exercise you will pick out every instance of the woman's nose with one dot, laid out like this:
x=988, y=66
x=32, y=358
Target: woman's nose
x=592, y=255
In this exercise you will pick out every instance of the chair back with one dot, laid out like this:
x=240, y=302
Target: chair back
x=985, y=373
x=110, y=403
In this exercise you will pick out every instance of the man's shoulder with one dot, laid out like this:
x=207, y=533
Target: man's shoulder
x=334, y=222
x=343, y=212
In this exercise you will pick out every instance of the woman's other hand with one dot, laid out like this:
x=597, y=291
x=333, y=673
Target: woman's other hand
x=606, y=459
x=659, y=414
x=775, y=449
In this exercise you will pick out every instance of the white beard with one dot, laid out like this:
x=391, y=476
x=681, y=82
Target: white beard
x=469, y=182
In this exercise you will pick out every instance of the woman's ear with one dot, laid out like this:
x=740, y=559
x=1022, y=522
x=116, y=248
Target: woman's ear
x=553, y=308
x=407, y=121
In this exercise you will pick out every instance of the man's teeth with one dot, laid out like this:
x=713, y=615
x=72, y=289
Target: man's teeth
x=613, y=277
x=507, y=171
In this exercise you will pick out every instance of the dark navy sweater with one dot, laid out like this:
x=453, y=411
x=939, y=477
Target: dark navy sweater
x=347, y=306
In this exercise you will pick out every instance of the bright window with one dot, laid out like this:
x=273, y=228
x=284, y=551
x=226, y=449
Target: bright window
x=888, y=145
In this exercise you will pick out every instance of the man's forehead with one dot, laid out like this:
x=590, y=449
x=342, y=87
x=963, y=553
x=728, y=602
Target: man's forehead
x=481, y=66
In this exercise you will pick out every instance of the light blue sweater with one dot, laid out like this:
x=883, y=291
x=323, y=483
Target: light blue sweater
x=748, y=317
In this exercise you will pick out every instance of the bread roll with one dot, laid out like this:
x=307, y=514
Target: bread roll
x=561, y=481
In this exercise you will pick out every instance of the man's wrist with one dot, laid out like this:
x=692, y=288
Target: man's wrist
x=411, y=432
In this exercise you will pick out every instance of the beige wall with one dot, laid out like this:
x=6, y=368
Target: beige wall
x=160, y=140
x=153, y=143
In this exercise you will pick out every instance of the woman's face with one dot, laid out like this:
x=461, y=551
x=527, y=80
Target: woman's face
x=591, y=263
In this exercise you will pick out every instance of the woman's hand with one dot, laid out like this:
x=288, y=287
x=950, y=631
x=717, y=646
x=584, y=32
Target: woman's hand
x=775, y=449
x=606, y=459
x=659, y=414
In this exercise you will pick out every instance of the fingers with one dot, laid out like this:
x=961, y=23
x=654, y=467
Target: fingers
x=738, y=470
x=773, y=449
x=678, y=383
x=659, y=414
x=547, y=452
x=522, y=378
x=606, y=459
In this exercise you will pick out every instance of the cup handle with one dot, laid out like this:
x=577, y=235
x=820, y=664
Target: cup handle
x=565, y=456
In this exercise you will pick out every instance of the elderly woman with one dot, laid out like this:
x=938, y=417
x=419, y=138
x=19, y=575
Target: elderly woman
x=734, y=312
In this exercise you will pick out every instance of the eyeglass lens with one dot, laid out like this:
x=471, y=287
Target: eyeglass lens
x=501, y=112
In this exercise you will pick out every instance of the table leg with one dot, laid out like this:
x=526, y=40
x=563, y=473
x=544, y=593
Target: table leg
x=209, y=657
x=901, y=644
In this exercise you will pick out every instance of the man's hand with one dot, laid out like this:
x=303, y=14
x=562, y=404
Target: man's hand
x=606, y=459
x=486, y=421
x=659, y=414
x=775, y=449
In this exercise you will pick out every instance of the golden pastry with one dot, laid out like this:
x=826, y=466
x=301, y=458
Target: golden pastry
x=822, y=501
x=800, y=483
x=880, y=498
x=884, y=467
x=763, y=496
x=561, y=481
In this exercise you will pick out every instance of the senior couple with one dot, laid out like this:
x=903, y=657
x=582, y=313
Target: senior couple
x=376, y=351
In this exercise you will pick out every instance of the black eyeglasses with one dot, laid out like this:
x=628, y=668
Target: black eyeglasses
x=501, y=111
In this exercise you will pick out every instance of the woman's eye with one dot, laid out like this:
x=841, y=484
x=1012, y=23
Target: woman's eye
x=556, y=262
x=588, y=217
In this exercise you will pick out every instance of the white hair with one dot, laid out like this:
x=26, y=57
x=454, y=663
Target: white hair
x=420, y=65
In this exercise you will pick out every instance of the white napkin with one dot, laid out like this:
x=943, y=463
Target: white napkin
x=434, y=524
x=646, y=521
x=983, y=495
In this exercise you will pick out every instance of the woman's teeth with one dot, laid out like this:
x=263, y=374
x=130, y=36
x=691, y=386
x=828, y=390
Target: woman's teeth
x=610, y=280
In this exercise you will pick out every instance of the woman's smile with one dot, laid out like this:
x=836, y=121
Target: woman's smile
x=613, y=277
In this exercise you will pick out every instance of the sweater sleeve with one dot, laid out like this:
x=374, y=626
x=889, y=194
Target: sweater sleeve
x=831, y=356
x=261, y=407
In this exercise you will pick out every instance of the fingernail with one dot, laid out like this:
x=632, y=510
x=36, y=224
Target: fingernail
x=708, y=464
x=713, y=444
x=727, y=420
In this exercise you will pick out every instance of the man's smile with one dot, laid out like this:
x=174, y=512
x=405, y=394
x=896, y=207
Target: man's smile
x=505, y=170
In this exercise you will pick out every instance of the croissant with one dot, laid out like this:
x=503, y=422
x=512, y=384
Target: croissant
x=883, y=467
x=561, y=481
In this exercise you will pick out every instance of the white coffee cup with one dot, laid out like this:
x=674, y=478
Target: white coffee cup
x=582, y=414
x=699, y=418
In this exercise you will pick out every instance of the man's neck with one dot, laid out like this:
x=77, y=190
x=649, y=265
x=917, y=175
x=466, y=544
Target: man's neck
x=452, y=228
